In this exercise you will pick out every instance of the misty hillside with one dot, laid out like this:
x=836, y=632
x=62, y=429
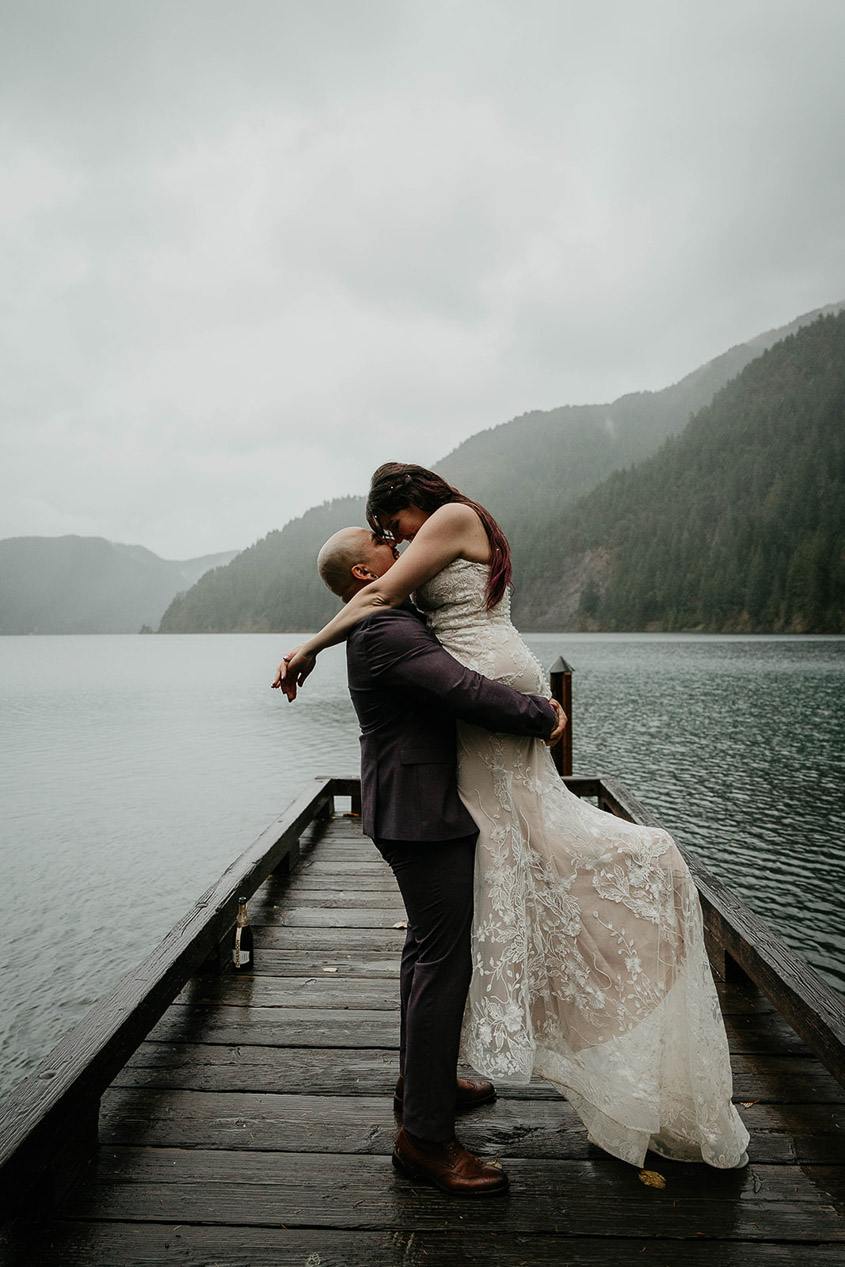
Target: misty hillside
x=544, y=461
x=270, y=586
x=527, y=472
x=736, y=525
x=80, y=585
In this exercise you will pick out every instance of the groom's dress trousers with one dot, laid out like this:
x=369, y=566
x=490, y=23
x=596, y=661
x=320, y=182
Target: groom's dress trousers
x=408, y=692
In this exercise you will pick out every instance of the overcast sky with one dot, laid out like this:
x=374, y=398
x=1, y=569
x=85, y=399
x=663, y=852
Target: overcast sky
x=249, y=251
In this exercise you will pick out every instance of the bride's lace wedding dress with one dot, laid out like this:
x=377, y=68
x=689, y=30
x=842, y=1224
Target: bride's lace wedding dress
x=589, y=967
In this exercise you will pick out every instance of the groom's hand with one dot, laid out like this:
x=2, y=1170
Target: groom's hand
x=560, y=726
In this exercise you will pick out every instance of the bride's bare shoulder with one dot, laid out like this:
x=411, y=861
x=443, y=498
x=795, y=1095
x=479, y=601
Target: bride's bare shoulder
x=463, y=526
x=455, y=514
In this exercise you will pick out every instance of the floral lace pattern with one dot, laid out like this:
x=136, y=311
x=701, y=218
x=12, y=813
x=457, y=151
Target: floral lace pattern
x=589, y=966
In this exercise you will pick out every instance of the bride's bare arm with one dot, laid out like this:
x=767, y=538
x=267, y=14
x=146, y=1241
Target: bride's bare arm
x=446, y=535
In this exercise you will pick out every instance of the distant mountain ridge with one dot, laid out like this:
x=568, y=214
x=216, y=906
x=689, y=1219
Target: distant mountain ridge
x=273, y=585
x=528, y=472
x=81, y=585
x=540, y=463
x=736, y=525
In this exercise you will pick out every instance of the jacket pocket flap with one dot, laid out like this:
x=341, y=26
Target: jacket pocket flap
x=423, y=756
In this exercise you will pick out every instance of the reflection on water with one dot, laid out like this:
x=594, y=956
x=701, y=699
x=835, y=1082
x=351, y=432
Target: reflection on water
x=135, y=769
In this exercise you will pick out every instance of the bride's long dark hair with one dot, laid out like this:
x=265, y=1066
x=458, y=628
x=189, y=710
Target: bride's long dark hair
x=398, y=485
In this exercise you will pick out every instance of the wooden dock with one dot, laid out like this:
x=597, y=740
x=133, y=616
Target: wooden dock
x=254, y=1125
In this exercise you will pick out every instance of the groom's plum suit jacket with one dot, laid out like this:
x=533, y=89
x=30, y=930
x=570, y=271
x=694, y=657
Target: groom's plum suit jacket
x=408, y=691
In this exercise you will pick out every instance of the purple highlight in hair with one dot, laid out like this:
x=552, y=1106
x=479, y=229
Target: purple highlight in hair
x=397, y=485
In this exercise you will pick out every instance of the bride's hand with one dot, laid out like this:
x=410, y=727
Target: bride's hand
x=293, y=671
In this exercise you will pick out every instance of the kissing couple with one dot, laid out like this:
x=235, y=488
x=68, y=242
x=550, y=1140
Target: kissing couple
x=545, y=936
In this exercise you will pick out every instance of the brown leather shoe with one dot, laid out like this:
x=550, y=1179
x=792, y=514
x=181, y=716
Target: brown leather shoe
x=471, y=1092
x=449, y=1167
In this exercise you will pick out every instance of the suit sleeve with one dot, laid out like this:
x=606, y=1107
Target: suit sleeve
x=402, y=653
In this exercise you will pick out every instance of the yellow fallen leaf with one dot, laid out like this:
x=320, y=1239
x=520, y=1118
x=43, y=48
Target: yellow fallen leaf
x=403, y=923
x=330, y=970
x=652, y=1179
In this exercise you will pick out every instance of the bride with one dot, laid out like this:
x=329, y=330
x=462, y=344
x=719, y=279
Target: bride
x=589, y=967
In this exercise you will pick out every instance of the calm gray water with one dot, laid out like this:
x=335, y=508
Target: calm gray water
x=134, y=769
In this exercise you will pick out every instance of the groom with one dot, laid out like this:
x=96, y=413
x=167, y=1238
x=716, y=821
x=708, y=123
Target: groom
x=408, y=691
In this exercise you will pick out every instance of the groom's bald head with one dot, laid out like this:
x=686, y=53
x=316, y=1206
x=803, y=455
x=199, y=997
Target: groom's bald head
x=352, y=558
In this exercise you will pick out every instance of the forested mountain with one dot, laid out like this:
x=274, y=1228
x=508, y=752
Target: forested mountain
x=75, y=585
x=271, y=586
x=528, y=472
x=544, y=461
x=738, y=524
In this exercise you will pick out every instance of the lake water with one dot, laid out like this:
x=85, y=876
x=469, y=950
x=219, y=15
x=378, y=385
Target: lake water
x=134, y=769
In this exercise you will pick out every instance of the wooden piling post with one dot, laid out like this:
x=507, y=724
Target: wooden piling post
x=560, y=681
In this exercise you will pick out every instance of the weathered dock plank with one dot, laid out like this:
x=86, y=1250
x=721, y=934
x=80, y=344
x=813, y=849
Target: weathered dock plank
x=279, y=1027
x=358, y=917
x=336, y=1191
x=292, y=963
x=340, y=899
x=320, y=991
x=80, y=1244
x=299, y=1026
x=218, y=1067
x=371, y=941
x=341, y=1123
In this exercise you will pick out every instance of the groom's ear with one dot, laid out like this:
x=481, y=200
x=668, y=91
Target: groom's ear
x=362, y=573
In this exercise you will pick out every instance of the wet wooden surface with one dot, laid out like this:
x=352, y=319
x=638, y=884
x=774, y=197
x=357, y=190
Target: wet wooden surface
x=255, y=1126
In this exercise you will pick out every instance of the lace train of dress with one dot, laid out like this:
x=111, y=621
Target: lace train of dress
x=589, y=966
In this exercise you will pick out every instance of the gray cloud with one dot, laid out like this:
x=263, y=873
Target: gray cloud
x=249, y=251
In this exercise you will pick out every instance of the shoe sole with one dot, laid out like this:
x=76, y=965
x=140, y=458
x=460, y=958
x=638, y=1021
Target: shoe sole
x=414, y=1174
x=459, y=1108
